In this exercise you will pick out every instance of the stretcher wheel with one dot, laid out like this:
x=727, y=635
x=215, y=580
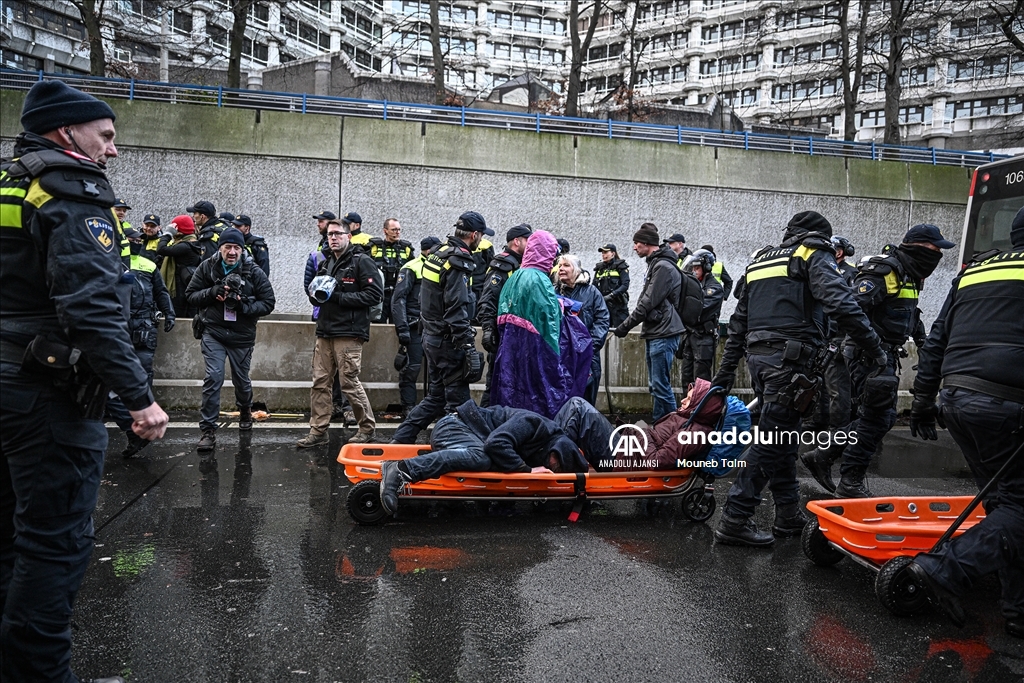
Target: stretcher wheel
x=699, y=505
x=897, y=590
x=816, y=546
x=364, y=503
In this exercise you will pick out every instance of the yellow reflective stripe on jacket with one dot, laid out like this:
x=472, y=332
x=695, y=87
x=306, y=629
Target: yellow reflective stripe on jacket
x=608, y=273
x=776, y=267
x=12, y=194
x=716, y=269
x=804, y=252
x=432, y=266
x=415, y=265
x=37, y=196
x=1005, y=271
x=906, y=290
x=142, y=264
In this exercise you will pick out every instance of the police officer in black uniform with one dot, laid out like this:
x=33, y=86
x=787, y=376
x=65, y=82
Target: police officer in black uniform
x=390, y=253
x=697, y=349
x=405, y=312
x=209, y=226
x=446, y=309
x=834, y=405
x=483, y=254
x=254, y=244
x=887, y=288
x=781, y=323
x=57, y=363
x=611, y=277
x=501, y=269
x=976, y=350
x=153, y=239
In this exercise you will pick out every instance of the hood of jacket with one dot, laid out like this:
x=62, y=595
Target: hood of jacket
x=582, y=279
x=541, y=249
x=663, y=252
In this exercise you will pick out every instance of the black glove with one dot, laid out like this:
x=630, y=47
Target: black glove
x=168, y=323
x=882, y=359
x=725, y=380
x=923, y=414
x=219, y=289
x=490, y=339
x=620, y=331
x=404, y=339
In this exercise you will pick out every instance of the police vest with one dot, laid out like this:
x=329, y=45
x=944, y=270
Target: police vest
x=389, y=257
x=777, y=301
x=360, y=239
x=989, y=304
x=896, y=317
x=608, y=277
x=416, y=266
x=436, y=265
x=716, y=269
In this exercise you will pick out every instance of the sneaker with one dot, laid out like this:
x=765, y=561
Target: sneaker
x=945, y=600
x=313, y=440
x=208, y=441
x=135, y=444
x=350, y=418
x=392, y=480
x=364, y=437
x=739, y=531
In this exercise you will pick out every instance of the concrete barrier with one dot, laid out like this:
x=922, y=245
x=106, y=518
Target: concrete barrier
x=282, y=369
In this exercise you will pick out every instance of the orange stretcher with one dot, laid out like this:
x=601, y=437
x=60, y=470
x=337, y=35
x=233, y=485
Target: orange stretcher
x=884, y=535
x=362, y=467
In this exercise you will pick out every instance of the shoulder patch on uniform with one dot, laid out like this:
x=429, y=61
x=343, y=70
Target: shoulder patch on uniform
x=495, y=279
x=102, y=230
x=865, y=286
x=709, y=290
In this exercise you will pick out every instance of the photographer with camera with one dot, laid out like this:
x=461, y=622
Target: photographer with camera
x=347, y=285
x=232, y=293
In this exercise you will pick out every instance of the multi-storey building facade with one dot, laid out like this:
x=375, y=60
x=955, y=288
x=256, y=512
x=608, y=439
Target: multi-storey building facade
x=772, y=61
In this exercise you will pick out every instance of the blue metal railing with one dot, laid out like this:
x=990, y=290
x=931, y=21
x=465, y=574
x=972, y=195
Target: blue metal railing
x=173, y=93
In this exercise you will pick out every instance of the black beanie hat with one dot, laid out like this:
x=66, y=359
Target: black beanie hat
x=809, y=221
x=647, y=235
x=1017, y=230
x=232, y=236
x=52, y=104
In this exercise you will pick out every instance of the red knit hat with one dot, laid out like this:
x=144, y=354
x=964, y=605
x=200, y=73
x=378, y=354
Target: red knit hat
x=184, y=224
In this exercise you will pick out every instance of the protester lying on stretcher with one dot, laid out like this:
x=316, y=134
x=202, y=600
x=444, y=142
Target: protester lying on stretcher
x=494, y=439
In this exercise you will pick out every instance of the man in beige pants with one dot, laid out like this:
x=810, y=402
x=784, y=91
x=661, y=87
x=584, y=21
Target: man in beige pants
x=347, y=285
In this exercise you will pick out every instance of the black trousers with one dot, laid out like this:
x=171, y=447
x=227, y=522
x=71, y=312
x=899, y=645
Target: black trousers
x=447, y=390
x=988, y=430
x=49, y=483
x=408, y=378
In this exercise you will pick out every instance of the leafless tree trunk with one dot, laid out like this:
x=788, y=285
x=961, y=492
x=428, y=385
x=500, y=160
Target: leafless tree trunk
x=896, y=31
x=91, y=12
x=440, y=94
x=634, y=60
x=578, y=53
x=240, y=12
x=852, y=64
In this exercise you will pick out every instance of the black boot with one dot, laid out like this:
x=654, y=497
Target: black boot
x=790, y=521
x=135, y=444
x=819, y=463
x=852, y=485
x=245, y=418
x=741, y=531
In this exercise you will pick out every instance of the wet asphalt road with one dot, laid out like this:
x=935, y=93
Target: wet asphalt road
x=250, y=569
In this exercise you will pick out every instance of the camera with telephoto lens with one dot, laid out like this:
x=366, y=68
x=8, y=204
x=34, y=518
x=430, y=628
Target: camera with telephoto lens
x=233, y=298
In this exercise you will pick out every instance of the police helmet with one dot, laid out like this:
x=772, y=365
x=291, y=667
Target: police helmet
x=703, y=258
x=844, y=244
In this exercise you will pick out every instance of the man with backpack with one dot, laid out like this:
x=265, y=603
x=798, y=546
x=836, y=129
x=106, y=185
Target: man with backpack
x=656, y=311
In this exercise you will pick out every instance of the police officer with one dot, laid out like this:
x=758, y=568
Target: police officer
x=887, y=288
x=780, y=324
x=209, y=226
x=57, y=363
x=697, y=349
x=446, y=309
x=720, y=273
x=405, y=312
x=390, y=253
x=149, y=295
x=482, y=256
x=153, y=239
x=976, y=348
x=254, y=244
x=355, y=225
x=678, y=244
x=611, y=277
x=834, y=403
x=501, y=269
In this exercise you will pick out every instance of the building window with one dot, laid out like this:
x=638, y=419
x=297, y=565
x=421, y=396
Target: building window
x=871, y=119
x=783, y=56
x=782, y=92
x=679, y=73
x=322, y=7
x=965, y=29
x=922, y=74
x=750, y=96
x=255, y=51
x=920, y=114
x=872, y=81
x=807, y=17
x=992, y=106
x=181, y=22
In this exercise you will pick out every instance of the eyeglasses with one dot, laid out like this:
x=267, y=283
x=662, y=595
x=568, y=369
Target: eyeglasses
x=335, y=233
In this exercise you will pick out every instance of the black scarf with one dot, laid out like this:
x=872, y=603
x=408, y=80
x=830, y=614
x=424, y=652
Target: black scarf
x=920, y=261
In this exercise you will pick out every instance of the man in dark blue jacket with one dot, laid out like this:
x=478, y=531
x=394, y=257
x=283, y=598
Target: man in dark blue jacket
x=232, y=293
x=475, y=439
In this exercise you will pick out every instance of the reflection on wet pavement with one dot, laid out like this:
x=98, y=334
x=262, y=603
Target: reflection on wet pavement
x=245, y=566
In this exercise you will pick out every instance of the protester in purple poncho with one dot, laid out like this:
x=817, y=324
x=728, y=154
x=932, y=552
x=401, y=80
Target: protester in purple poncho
x=545, y=352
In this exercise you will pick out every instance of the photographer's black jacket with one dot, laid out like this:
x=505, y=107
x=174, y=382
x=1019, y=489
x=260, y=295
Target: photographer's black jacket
x=347, y=312
x=257, y=300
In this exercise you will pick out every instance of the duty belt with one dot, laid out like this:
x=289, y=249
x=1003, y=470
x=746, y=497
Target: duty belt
x=11, y=352
x=767, y=348
x=1007, y=393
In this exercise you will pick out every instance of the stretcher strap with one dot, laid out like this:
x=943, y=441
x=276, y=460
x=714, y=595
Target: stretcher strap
x=580, y=489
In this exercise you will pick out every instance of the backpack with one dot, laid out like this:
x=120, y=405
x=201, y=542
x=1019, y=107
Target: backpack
x=691, y=300
x=736, y=416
